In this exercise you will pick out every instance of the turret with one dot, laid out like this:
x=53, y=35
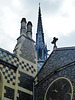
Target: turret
x=23, y=26
x=25, y=36
x=29, y=29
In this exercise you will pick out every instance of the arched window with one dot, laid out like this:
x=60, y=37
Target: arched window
x=59, y=89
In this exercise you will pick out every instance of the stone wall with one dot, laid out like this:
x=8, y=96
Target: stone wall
x=42, y=85
x=61, y=63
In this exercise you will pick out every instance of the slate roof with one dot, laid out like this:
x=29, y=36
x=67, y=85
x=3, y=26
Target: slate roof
x=57, y=59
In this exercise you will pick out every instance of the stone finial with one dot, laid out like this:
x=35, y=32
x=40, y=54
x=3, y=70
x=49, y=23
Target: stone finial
x=29, y=29
x=23, y=23
x=54, y=42
x=29, y=26
x=39, y=4
x=23, y=26
x=23, y=20
x=29, y=23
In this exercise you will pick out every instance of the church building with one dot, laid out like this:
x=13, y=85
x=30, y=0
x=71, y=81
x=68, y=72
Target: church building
x=56, y=78
x=27, y=73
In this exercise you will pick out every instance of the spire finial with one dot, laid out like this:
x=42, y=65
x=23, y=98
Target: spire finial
x=39, y=4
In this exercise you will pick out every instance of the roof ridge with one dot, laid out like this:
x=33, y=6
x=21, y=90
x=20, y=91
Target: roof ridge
x=43, y=65
x=66, y=48
x=8, y=52
x=56, y=70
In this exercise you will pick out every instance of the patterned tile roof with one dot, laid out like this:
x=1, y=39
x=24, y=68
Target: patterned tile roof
x=14, y=60
x=8, y=57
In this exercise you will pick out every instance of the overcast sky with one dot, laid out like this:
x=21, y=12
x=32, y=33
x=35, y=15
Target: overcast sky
x=58, y=18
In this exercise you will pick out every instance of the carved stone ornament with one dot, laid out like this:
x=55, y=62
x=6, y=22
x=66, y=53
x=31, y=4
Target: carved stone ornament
x=59, y=89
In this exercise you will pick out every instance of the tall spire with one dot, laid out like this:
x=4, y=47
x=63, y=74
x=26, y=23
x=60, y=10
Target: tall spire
x=40, y=44
x=39, y=26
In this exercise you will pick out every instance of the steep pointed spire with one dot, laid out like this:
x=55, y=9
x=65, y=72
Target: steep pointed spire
x=40, y=46
x=39, y=26
x=39, y=14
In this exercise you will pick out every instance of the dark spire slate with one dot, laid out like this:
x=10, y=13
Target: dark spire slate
x=41, y=48
x=40, y=28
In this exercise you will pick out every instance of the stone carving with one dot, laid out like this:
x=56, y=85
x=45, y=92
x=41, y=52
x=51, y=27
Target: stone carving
x=54, y=42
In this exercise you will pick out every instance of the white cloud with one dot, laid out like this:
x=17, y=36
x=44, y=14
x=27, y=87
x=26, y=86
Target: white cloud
x=60, y=24
x=58, y=18
x=16, y=3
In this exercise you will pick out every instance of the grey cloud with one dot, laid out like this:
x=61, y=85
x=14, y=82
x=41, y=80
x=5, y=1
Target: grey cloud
x=63, y=41
x=50, y=6
x=73, y=3
x=67, y=41
x=29, y=9
x=7, y=42
x=65, y=15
